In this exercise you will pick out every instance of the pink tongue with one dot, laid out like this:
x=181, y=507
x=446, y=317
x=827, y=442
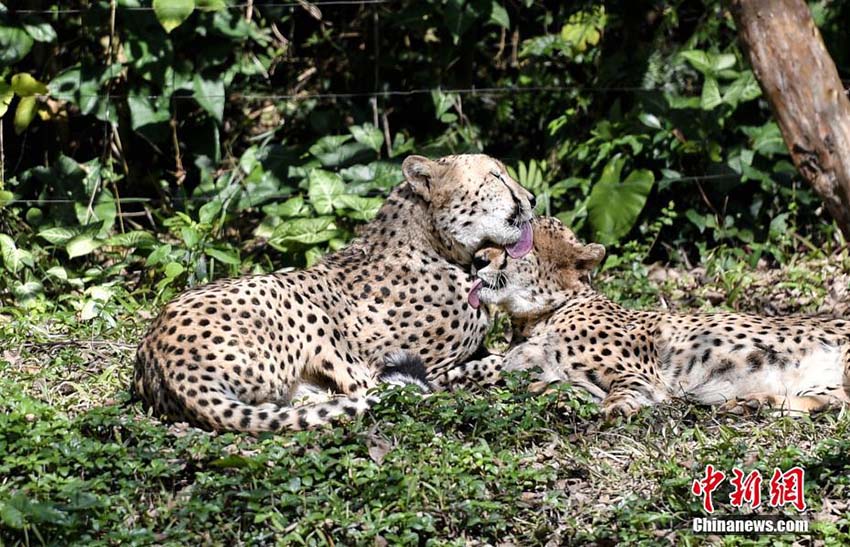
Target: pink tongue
x=473, y=299
x=523, y=246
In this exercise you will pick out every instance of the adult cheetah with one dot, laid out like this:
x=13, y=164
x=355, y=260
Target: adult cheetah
x=629, y=359
x=233, y=354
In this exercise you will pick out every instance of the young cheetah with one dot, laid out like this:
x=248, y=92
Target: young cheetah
x=233, y=354
x=629, y=359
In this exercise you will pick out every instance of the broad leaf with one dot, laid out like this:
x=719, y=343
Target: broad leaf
x=614, y=206
x=369, y=135
x=499, y=15
x=26, y=86
x=304, y=230
x=324, y=188
x=710, y=94
x=210, y=95
x=171, y=13
x=15, y=43
x=227, y=257
x=360, y=208
x=82, y=245
x=25, y=113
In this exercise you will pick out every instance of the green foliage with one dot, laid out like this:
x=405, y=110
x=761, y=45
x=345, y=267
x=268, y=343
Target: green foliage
x=233, y=159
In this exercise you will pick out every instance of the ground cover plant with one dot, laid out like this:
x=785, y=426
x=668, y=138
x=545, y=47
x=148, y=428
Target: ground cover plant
x=150, y=146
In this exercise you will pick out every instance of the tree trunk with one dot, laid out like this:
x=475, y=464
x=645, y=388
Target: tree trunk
x=801, y=83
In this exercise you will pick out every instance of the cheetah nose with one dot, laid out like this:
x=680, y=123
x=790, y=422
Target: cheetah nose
x=532, y=201
x=479, y=262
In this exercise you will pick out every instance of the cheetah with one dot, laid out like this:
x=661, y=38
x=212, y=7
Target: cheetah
x=234, y=354
x=629, y=359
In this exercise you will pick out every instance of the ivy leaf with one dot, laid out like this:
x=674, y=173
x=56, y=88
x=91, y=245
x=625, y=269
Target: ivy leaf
x=13, y=258
x=499, y=15
x=57, y=235
x=700, y=60
x=360, y=208
x=293, y=207
x=614, y=206
x=172, y=13
x=324, y=189
x=26, y=86
x=710, y=94
x=369, y=135
x=308, y=231
x=744, y=88
x=39, y=29
x=81, y=245
x=210, y=95
x=24, y=114
x=15, y=44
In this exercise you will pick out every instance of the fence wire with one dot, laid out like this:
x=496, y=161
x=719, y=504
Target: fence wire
x=236, y=96
x=244, y=5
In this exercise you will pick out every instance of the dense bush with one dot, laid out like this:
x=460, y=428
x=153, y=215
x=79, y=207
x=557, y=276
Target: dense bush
x=178, y=144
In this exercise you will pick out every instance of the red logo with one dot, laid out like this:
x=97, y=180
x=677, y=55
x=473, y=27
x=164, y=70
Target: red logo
x=747, y=489
x=785, y=488
x=708, y=485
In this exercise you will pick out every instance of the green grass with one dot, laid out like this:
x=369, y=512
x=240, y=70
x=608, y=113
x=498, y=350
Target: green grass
x=82, y=465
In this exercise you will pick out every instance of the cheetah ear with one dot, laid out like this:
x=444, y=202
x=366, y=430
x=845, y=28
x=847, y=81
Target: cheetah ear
x=419, y=172
x=589, y=256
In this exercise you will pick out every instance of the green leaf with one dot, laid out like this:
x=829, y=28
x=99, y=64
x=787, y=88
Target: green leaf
x=710, y=94
x=144, y=111
x=210, y=94
x=369, y=135
x=293, y=207
x=172, y=13
x=613, y=207
x=58, y=235
x=324, y=188
x=13, y=258
x=158, y=255
x=15, y=44
x=82, y=245
x=360, y=208
x=499, y=15
x=39, y=29
x=700, y=60
x=744, y=88
x=24, y=114
x=227, y=257
x=209, y=211
x=136, y=238
x=305, y=230
x=173, y=269
x=6, y=96
x=650, y=120
x=26, y=86
x=722, y=62
x=11, y=516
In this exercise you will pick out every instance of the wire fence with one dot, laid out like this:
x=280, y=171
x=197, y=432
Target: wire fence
x=172, y=92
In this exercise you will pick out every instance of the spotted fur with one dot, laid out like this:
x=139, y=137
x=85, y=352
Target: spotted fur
x=628, y=359
x=234, y=354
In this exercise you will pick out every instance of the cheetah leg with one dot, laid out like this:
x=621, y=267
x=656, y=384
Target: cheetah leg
x=753, y=402
x=470, y=375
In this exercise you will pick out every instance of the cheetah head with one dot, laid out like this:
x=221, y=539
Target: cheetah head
x=472, y=201
x=542, y=280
